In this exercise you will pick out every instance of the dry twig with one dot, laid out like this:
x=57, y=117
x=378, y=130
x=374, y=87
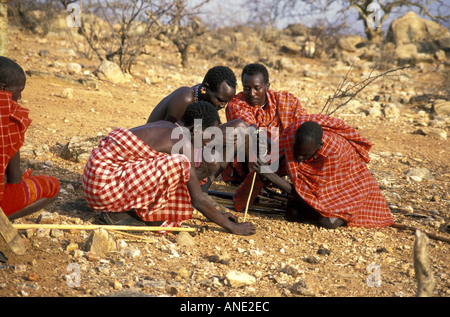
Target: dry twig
x=349, y=90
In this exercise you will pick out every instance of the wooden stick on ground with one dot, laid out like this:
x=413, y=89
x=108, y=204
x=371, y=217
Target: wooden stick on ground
x=249, y=196
x=431, y=236
x=10, y=234
x=147, y=239
x=93, y=227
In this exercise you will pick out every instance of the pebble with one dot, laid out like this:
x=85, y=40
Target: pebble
x=300, y=288
x=45, y=218
x=131, y=252
x=42, y=232
x=117, y=285
x=74, y=68
x=72, y=247
x=312, y=260
x=185, y=239
x=67, y=93
x=33, y=277
x=238, y=279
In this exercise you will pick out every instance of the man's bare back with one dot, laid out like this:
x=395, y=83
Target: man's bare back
x=172, y=107
x=158, y=135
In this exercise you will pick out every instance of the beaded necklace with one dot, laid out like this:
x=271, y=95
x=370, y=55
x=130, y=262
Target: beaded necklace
x=196, y=93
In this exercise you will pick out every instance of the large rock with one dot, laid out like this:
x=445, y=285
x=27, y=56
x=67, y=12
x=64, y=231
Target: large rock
x=111, y=72
x=239, y=279
x=406, y=51
x=298, y=30
x=74, y=68
x=349, y=43
x=100, y=242
x=441, y=107
x=427, y=36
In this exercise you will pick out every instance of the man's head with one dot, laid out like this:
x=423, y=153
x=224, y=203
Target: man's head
x=308, y=141
x=255, y=81
x=203, y=112
x=12, y=77
x=219, y=86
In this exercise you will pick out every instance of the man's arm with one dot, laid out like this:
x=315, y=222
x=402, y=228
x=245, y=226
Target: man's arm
x=13, y=172
x=202, y=204
x=177, y=104
x=274, y=178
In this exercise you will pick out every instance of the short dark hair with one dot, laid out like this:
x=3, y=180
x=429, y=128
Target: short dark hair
x=255, y=68
x=309, y=131
x=10, y=71
x=201, y=110
x=219, y=74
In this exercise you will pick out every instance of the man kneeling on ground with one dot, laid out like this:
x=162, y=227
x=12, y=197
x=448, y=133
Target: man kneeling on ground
x=141, y=170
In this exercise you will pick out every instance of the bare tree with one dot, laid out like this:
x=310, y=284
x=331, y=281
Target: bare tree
x=269, y=11
x=438, y=11
x=183, y=27
x=118, y=30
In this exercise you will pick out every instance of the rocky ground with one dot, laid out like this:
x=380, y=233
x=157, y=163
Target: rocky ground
x=410, y=161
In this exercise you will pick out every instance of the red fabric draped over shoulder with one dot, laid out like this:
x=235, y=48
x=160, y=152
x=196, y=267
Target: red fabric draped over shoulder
x=337, y=182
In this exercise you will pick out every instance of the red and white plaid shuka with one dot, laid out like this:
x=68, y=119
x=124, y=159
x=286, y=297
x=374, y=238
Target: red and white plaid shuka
x=337, y=183
x=124, y=173
x=281, y=110
x=14, y=122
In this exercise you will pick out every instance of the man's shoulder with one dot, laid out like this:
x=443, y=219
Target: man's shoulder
x=10, y=107
x=281, y=94
x=5, y=98
x=161, y=124
x=238, y=100
x=183, y=91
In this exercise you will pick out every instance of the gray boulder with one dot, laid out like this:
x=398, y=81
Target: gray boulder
x=417, y=38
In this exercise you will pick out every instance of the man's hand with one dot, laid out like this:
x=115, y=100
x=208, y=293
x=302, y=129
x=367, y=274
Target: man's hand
x=244, y=228
x=272, y=177
x=256, y=166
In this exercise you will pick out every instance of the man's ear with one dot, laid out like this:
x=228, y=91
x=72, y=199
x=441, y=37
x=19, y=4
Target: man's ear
x=268, y=85
x=191, y=129
x=3, y=86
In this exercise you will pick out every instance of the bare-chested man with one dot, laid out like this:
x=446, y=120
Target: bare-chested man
x=218, y=88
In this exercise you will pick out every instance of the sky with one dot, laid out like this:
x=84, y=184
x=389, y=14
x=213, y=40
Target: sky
x=231, y=11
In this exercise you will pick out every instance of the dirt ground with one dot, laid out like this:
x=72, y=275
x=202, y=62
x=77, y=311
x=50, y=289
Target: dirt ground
x=283, y=259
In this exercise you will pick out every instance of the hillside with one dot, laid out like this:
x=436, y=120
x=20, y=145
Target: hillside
x=283, y=259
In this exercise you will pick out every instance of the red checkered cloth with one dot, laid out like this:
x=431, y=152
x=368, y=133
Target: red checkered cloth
x=14, y=122
x=124, y=173
x=337, y=183
x=280, y=111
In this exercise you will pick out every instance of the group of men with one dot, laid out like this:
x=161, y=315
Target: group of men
x=156, y=173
